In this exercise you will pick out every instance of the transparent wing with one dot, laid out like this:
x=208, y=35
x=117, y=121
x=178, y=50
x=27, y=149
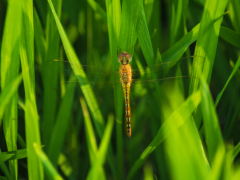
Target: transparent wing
x=103, y=79
x=89, y=70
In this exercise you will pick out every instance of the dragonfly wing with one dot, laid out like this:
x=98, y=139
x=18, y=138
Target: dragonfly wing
x=91, y=71
x=166, y=69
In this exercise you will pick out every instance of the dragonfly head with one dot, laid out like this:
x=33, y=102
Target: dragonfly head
x=124, y=58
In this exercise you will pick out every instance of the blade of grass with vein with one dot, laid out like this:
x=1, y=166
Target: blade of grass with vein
x=35, y=170
x=176, y=120
x=61, y=124
x=39, y=37
x=177, y=50
x=114, y=22
x=206, y=45
x=10, y=71
x=19, y=154
x=129, y=18
x=52, y=52
x=51, y=171
x=103, y=148
x=230, y=36
x=233, y=7
x=98, y=9
x=5, y=157
x=208, y=37
x=211, y=124
x=178, y=20
x=81, y=76
x=218, y=164
x=144, y=37
x=90, y=137
x=148, y=172
x=4, y=169
x=236, y=151
x=7, y=94
x=230, y=77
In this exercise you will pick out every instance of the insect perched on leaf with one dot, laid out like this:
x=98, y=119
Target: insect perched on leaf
x=127, y=78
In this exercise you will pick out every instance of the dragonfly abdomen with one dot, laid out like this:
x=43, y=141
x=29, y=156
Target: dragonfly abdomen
x=125, y=72
x=126, y=90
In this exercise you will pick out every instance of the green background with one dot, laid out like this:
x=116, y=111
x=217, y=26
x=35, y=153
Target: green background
x=55, y=130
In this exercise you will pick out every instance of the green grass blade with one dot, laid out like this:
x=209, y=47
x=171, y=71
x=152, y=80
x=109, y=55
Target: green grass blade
x=129, y=18
x=178, y=20
x=211, y=124
x=98, y=9
x=236, y=151
x=5, y=157
x=61, y=124
x=90, y=136
x=176, y=120
x=19, y=154
x=10, y=71
x=148, y=172
x=217, y=166
x=90, y=98
x=81, y=76
x=144, y=37
x=233, y=7
x=39, y=37
x=114, y=22
x=230, y=77
x=51, y=171
x=4, y=169
x=208, y=37
x=52, y=52
x=35, y=170
x=7, y=94
x=96, y=167
x=177, y=50
x=230, y=36
x=206, y=45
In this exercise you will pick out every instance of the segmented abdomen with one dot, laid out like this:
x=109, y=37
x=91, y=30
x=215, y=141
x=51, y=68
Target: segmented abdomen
x=126, y=90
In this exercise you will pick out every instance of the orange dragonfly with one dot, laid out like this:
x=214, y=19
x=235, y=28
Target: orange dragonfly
x=127, y=77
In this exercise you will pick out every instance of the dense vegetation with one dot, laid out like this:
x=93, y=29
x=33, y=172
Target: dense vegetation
x=186, y=127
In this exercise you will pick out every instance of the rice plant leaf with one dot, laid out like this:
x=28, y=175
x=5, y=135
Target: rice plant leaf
x=230, y=77
x=97, y=8
x=114, y=22
x=178, y=20
x=61, y=124
x=9, y=72
x=208, y=37
x=90, y=137
x=39, y=37
x=176, y=120
x=233, y=6
x=5, y=157
x=129, y=18
x=230, y=36
x=214, y=137
x=144, y=37
x=98, y=163
x=7, y=94
x=177, y=50
x=236, y=151
x=81, y=76
x=50, y=170
x=5, y=169
x=52, y=52
x=35, y=170
x=19, y=154
x=218, y=164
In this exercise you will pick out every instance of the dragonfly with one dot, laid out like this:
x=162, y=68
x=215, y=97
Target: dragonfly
x=126, y=77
